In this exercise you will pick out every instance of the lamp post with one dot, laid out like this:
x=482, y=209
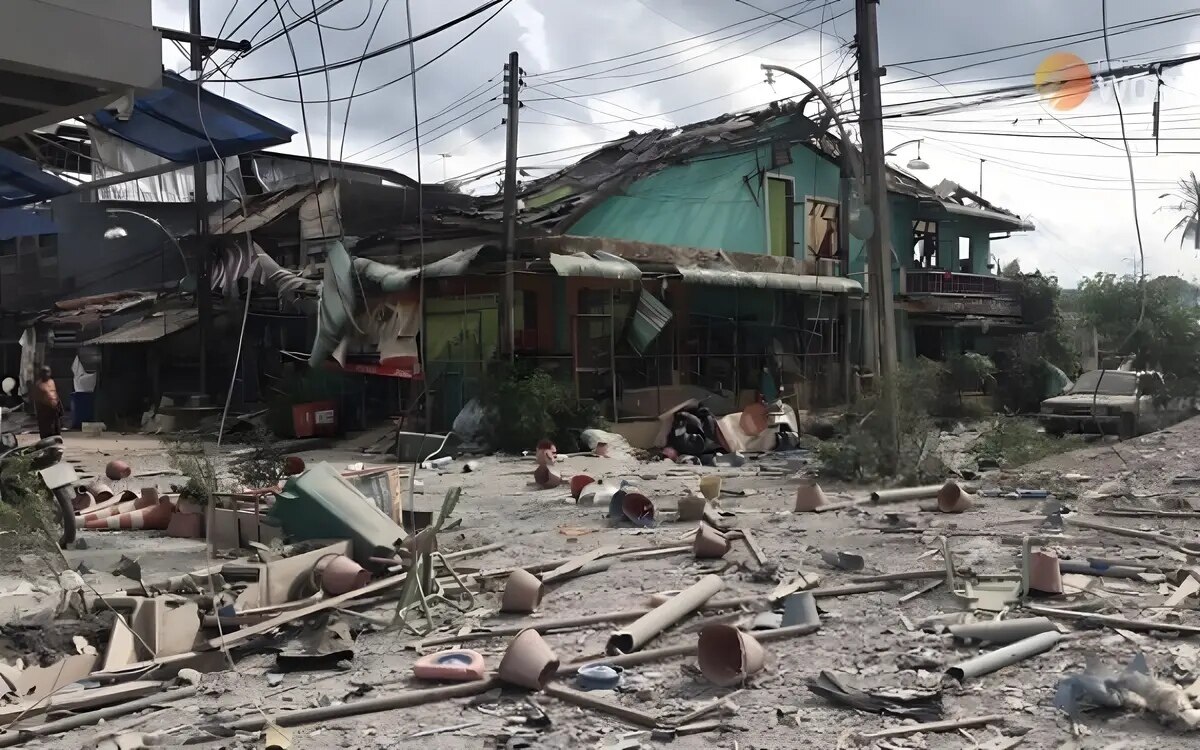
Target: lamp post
x=914, y=164
x=116, y=233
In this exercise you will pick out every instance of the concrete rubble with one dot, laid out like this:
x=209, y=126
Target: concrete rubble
x=647, y=603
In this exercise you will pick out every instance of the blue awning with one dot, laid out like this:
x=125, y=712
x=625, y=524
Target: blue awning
x=178, y=121
x=25, y=222
x=22, y=181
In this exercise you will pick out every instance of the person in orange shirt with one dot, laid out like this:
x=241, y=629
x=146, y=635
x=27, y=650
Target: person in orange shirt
x=46, y=404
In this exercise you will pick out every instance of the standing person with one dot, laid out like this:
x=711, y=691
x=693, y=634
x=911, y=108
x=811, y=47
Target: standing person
x=46, y=404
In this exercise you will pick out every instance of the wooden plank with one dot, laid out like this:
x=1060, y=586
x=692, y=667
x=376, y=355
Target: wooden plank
x=577, y=562
x=296, y=614
x=755, y=551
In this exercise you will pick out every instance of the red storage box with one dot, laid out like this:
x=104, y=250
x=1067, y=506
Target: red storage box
x=318, y=419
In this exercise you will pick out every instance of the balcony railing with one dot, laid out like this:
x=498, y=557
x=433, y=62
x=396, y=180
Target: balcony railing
x=938, y=281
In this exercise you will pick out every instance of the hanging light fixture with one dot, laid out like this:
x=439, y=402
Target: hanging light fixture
x=918, y=163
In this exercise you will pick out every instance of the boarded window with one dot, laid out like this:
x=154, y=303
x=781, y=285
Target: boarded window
x=821, y=231
x=781, y=219
x=925, y=244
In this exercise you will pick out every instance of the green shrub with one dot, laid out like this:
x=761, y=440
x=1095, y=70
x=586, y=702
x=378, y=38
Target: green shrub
x=1013, y=441
x=263, y=466
x=527, y=407
x=864, y=453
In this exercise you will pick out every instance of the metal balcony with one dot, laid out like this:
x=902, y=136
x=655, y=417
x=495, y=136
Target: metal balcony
x=939, y=281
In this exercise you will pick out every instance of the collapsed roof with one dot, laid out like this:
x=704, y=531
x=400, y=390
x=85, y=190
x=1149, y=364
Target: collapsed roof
x=557, y=201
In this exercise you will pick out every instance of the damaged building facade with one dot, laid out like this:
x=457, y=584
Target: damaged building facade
x=710, y=261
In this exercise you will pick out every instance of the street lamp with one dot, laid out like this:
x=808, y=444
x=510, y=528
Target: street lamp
x=914, y=164
x=119, y=232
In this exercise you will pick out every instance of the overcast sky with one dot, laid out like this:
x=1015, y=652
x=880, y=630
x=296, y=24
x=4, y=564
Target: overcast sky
x=590, y=78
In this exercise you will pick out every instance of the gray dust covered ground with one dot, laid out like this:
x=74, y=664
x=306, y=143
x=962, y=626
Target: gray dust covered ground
x=872, y=638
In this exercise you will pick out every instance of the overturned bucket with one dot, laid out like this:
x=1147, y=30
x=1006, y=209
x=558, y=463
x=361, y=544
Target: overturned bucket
x=578, y=483
x=709, y=544
x=338, y=574
x=809, y=497
x=529, y=661
x=522, y=592
x=1045, y=575
x=727, y=656
x=546, y=478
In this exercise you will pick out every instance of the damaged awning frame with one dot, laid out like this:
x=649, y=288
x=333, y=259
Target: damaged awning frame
x=764, y=280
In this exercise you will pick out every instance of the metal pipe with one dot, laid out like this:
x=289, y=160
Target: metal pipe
x=1085, y=568
x=933, y=726
x=665, y=615
x=1177, y=544
x=21, y=736
x=912, y=575
x=568, y=623
x=585, y=700
x=1003, y=631
x=884, y=497
x=1114, y=620
x=1003, y=657
x=645, y=657
x=406, y=699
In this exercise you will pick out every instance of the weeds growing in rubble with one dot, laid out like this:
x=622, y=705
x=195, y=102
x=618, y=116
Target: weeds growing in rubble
x=25, y=506
x=192, y=461
x=526, y=407
x=1013, y=441
x=862, y=453
x=263, y=466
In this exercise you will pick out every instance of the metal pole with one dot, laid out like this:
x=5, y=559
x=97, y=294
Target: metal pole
x=512, y=97
x=880, y=253
x=981, y=161
x=200, y=196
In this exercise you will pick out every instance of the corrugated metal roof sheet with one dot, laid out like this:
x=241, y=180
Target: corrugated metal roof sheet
x=150, y=328
x=599, y=265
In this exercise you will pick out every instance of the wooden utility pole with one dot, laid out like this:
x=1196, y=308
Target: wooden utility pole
x=879, y=255
x=512, y=97
x=200, y=196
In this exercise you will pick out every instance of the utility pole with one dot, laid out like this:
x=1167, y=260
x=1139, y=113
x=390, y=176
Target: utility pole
x=879, y=256
x=200, y=193
x=512, y=97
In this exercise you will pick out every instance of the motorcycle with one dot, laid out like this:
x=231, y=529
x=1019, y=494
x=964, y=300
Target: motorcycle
x=45, y=457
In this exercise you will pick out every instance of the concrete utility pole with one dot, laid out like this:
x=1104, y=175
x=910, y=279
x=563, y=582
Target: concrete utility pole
x=512, y=97
x=200, y=176
x=879, y=256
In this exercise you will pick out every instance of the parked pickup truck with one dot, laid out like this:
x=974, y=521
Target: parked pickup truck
x=1114, y=402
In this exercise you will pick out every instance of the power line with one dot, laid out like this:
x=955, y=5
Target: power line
x=669, y=44
x=694, y=70
x=381, y=51
x=469, y=96
x=689, y=59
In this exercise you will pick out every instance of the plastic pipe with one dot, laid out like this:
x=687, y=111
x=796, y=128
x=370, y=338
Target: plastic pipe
x=1004, y=657
x=663, y=616
x=884, y=497
x=1003, y=631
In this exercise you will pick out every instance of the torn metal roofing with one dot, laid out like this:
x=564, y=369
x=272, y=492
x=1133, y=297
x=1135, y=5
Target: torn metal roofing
x=598, y=265
x=150, y=328
x=557, y=201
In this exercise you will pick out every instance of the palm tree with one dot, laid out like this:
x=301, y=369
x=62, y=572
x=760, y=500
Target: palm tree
x=1187, y=205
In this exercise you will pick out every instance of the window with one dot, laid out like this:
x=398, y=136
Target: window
x=821, y=229
x=781, y=216
x=925, y=244
x=964, y=255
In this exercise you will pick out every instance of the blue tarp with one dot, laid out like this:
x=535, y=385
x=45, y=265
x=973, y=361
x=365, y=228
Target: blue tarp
x=178, y=121
x=23, y=181
x=25, y=222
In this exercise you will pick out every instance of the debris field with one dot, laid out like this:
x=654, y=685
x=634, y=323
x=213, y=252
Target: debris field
x=612, y=602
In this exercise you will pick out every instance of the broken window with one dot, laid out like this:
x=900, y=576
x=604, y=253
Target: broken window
x=821, y=231
x=925, y=244
x=781, y=215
